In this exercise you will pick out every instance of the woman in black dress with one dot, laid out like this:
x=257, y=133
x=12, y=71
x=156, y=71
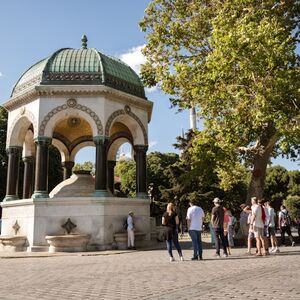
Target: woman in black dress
x=170, y=220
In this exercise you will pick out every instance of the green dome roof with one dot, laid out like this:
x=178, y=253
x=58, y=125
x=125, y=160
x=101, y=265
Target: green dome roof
x=81, y=66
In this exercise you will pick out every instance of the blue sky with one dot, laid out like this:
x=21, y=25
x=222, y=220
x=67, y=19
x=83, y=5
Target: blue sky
x=33, y=29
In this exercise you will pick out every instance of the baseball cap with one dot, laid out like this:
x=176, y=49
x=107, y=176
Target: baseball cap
x=217, y=200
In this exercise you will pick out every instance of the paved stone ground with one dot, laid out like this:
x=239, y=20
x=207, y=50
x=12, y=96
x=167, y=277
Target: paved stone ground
x=150, y=275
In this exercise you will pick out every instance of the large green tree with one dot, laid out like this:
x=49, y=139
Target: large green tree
x=236, y=62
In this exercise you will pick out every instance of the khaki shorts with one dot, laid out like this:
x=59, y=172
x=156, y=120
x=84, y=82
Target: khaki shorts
x=258, y=232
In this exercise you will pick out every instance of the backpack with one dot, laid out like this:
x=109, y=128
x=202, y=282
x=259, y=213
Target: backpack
x=286, y=220
x=125, y=224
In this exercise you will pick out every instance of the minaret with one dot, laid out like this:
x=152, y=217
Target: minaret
x=193, y=124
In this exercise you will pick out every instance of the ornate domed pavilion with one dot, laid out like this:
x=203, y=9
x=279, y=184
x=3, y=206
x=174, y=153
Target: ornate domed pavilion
x=72, y=99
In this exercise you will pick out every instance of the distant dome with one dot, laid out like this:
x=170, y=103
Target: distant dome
x=85, y=66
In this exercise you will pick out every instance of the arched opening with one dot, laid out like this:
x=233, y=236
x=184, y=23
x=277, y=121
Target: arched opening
x=70, y=135
x=125, y=171
x=21, y=153
x=85, y=158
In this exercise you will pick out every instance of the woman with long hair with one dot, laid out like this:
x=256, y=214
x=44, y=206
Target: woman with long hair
x=171, y=221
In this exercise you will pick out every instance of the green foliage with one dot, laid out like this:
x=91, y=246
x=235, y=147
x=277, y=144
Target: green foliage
x=281, y=184
x=236, y=61
x=276, y=185
x=125, y=169
x=294, y=183
x=292, y=204
x=87, y=166
x=195, y=176
x=55, y=171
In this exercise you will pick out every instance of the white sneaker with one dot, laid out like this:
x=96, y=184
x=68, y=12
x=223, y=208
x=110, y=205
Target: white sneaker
x=272, y=250
x=293, y=244
x=172, y=258
x=181, y=258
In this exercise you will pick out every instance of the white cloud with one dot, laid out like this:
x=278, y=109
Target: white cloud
x=135, y=58
x=1, y=75
x=152, y=144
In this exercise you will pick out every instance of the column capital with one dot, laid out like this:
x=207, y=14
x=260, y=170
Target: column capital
x=43, y=140
x=100, y=139
x=143, y=148
x=28, y=159
x=14, y=150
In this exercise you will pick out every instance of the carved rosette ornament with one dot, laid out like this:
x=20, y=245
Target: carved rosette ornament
x=71, y=102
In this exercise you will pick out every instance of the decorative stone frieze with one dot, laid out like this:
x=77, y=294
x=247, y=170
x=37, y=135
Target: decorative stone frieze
x=74, y=105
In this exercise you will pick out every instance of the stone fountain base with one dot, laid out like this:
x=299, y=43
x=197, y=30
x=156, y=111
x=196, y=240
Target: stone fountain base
x=67, y=242
x=12, y=243
x=98, y=217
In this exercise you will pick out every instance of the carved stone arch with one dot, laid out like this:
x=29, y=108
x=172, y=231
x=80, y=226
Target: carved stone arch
x=78, y=147
x=115, y=141
x=71, y=103
x=19, y=127
x=63, y=150
x=125, y=111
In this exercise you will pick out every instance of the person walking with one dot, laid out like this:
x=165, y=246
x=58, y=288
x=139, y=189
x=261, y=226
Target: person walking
x=231, y=225
x=195, y=216
x=272, y=228
x=217, y=220
x=250, y=238
x=170, y=220
x=257, y=225
x=226, y=230
x=130, y=231
x=284, y=222
x=244, y=224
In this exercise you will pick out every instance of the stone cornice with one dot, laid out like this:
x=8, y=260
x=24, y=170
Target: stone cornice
x=78, y=90
x=76, y=201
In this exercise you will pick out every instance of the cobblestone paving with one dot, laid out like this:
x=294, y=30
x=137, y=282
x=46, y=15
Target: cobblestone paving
x=150, y=275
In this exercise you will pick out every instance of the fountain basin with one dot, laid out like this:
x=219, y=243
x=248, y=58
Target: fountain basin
x=67, y=242
x=13, y=243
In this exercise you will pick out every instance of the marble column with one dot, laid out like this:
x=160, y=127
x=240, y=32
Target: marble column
x=140, y=159
x=14, y=154
x=111, y=175
x=28, y=176
x=101, y=166
x=41, y=169
x=67, y=167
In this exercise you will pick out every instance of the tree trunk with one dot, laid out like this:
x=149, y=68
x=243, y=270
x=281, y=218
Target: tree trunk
x=260, y=163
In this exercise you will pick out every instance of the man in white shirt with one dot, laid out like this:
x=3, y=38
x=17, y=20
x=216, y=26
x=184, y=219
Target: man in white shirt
x=130, y=231
x=257, y=224
x=272, y=229
x=195, y=216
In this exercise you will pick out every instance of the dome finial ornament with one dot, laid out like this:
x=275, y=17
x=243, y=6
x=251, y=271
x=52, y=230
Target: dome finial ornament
x=84, y=42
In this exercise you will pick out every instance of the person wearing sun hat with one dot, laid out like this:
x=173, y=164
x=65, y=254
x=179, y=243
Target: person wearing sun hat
x=244, y=226
x=130, y=230
x=217, y=220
